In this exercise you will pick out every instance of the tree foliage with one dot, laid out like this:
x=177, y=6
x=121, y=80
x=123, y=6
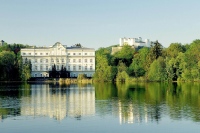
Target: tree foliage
x=125, y=55
x=26, y=70
x=103, y=70
x=12, y=67
x=176, y=63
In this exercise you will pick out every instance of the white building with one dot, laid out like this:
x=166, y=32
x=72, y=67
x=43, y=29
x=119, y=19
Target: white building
x=136, y=42
x=1, y=43
x=76, y=59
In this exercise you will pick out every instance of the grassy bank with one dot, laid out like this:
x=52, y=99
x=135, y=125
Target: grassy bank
x=72, y=81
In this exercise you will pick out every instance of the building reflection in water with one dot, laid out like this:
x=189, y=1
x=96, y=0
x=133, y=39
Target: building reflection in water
x=131, y=113
x=59, y=102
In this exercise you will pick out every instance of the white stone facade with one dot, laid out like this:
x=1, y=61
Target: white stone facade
x=76, y=59
x=136, y=42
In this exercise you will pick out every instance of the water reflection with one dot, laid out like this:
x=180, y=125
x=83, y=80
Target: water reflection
x=51, y=100
x=130, y=103
x=142, y=102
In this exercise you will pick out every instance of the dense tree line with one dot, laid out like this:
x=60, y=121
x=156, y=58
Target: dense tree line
x=12, y=67
x=176, y=63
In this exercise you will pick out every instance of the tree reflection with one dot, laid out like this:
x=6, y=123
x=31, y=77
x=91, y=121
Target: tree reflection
x=131, y=103
x=149, y=102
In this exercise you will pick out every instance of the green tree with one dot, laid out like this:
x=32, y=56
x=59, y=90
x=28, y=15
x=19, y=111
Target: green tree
x=173, y=50
x=125, y=55
x=137, y=67
x=81, y=76
x=7, y=60
x=154, y=53
x=122, y=76
x=103, y=70
x=157, y=70
x=26, y=70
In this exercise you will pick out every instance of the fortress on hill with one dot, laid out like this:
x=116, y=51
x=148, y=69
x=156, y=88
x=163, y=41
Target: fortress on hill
x=134, y=42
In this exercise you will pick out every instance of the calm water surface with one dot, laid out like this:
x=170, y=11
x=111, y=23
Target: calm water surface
x=100, y=108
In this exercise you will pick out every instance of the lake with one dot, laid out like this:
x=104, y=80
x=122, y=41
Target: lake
x=100, y=108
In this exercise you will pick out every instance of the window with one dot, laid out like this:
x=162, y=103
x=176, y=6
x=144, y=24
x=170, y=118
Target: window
x=57, y=60
x=90, y=60
x=36, y=68
x=46, y=53
x=68, y=68
x=68, y=60
x=79, y=60
x=35, y=75
x=29, y=60
x=40, y=53
x=74, y=53
x=47, y=60
x=47, y=68
x=52, y=60
x=62, y=60
x=24, y=53
x=85, y=53
x=74, y=67
x=29, y=53
x=90, y=67
x=57, y=67
x=40, y=60
x=79, y=53
x=35, y=53
x=79, y=68
x=85, y=67
x=41, y=68
x=35, y=60
x=85, y=60
x=41, y=75
x=74, y=60
x=68, y=53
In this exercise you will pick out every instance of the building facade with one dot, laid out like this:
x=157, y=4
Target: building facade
x=135, y=42
x=1, y=42
x=76, y=59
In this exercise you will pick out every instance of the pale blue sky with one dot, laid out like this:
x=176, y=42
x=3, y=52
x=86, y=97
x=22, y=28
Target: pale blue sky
x=98, y=23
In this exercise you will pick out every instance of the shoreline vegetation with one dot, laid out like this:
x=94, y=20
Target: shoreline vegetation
x=91, y=81
x=177, y=63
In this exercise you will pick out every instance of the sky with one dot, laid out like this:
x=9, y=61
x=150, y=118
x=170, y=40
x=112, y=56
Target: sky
x=98, y=23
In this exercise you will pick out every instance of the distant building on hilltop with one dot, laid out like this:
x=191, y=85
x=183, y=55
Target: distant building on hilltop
x=75, y=59
x=134, y=42
x=1, y=43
